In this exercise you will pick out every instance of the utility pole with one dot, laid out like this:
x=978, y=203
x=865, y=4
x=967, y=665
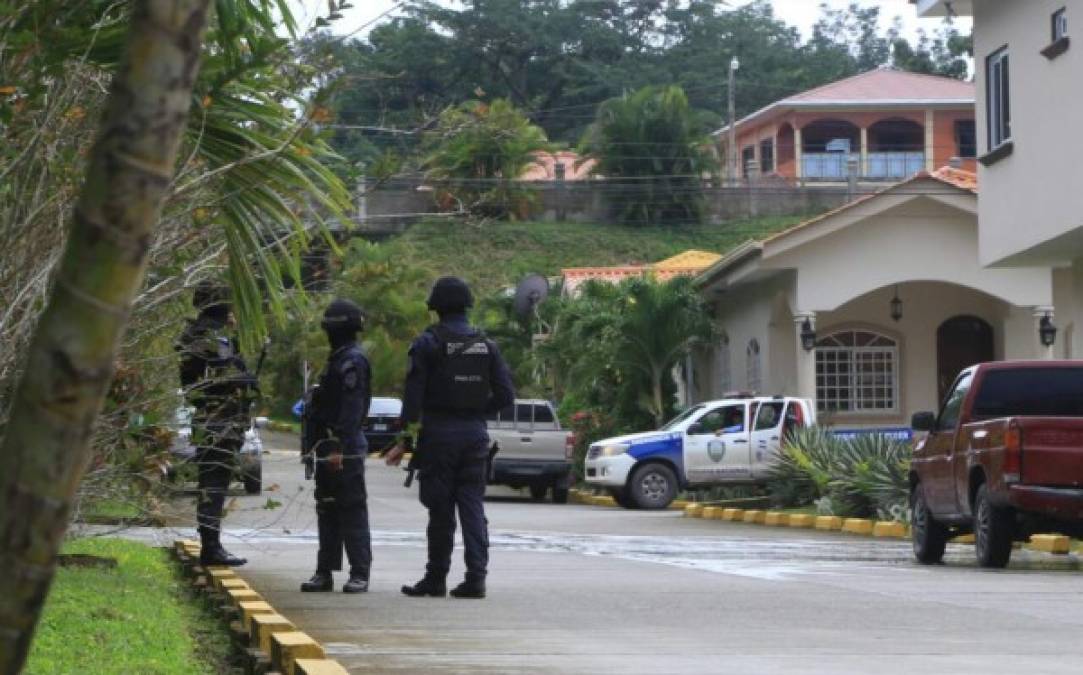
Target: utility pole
x=732, y=154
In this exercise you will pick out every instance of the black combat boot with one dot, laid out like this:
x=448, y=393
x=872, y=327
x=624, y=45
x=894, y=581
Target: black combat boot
x=214, y=554
x=320, y=582
x=428, y=586
x=356, y=584
x=471, y=588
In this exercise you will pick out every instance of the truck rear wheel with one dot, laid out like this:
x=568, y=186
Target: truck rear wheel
x=538, y=491
x=560, y=495
x=929, y=537
x=993, y=531
x=653, y=486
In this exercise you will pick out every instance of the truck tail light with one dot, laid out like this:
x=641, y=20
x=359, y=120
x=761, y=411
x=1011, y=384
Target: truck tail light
x=1013, y=453
x=569, y=446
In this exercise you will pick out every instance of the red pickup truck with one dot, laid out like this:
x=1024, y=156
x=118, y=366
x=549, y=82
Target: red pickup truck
x=1003, y=459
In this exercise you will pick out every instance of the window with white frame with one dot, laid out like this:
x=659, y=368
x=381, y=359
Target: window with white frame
x=998, y=99
x=753, y=373
x=1060, y=24
x=722, y=365
x=857, y=371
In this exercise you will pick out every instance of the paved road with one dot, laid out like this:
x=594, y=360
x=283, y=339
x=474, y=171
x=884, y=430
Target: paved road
x=575, y=589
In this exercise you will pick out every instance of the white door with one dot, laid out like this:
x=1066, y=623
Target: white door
x=716, y=448
x=766, y=436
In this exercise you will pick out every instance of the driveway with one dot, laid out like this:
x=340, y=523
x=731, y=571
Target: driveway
x=576, y=589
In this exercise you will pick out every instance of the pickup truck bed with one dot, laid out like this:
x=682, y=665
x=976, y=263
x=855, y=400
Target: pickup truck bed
x=531, y=450
x=1003, y=459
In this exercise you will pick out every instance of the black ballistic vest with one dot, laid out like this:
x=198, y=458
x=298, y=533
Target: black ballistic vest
x=460, y=377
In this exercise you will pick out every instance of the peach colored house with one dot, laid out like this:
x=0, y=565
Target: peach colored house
x=560, y=165
x=889, y=123
x=689, y=264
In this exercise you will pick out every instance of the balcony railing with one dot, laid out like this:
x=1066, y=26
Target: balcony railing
x=894, y=164
x=833, y=166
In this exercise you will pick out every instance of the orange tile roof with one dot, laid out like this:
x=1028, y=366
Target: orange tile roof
x=888, y=84
x=965, y=180
x=882, y=86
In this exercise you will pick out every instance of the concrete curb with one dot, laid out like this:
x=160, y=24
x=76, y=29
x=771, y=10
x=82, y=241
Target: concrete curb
x=878, y=529
x=268, y=641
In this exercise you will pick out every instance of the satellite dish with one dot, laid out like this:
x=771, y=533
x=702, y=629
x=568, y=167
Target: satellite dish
x=531, y=292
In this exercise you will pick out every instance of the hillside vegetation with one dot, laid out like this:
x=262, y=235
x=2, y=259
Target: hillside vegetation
x=494, y=255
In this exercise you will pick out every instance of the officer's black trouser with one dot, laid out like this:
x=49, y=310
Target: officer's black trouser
x=453, y=477
x=215, y=465
x=342, y=517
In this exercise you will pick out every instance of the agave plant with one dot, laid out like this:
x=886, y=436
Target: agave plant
x=864, y=476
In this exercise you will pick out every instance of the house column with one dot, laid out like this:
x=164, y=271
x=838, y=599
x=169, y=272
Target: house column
x=864, y=169
x=1043, y=352
x=930, y=142
x=798, y=169
x=806, y=359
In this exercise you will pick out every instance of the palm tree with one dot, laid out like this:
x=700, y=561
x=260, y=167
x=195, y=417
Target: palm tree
x=629, y=337
x=653, y=145
x=658, y=326
x=479, y=150
x=249, y=169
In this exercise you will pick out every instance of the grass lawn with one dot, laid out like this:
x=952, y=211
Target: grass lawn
x=135, y=618
x=496, y=254
x=113, y=509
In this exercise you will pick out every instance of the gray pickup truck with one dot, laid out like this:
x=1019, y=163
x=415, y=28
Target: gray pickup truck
x=531, y=450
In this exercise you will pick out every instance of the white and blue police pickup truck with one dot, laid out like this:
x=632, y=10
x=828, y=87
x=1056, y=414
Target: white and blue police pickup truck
x=728, y=442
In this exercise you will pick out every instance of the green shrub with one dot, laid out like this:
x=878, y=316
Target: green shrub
x=864, y=476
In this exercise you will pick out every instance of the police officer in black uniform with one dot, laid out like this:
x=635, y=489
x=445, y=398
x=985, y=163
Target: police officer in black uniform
x=456, y=376
x=217, y=384
x=339, y=406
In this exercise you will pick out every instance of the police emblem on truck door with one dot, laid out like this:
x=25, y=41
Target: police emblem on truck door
x=716, y=450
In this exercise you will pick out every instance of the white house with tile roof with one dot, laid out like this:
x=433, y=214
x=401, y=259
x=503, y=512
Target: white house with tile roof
x=872, y=309
x=1029, y=76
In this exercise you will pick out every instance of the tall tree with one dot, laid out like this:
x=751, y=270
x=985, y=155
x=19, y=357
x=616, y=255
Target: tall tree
x=71, y=356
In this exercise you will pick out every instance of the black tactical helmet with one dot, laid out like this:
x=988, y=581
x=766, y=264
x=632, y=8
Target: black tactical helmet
x=450, y=294
x=210, y=294
x=342, y=313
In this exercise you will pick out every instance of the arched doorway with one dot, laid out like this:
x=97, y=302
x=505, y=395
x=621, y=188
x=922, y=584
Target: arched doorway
x=961, y=341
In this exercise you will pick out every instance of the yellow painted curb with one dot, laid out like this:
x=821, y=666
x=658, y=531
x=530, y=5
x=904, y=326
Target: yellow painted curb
x=317, y=667
x=754, y=517
x=603, y=501
x=250, y=608
x=802, y=520
x=693, y=510
x=711, y=513
x=776, y=519
x=1050, y=543
x=890, y=529
x=963, y=539
x=828, y=523
x=679, y=504
x=216, y=574
x=857, y=526
x=733, y=514
x=263, y=626
x=261, y=621
x=239, y=595
x=287, y=647
x=232, y=585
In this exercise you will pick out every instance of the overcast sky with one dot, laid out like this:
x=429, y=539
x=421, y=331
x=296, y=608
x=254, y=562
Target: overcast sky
x=800, y=13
